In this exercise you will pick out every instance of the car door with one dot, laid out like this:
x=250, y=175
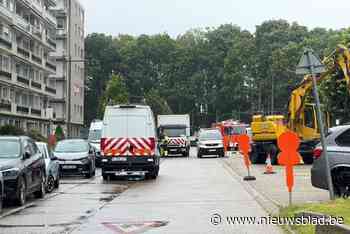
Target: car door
x=38, y=163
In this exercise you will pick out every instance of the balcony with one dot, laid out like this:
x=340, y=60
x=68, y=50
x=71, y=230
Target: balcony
x=23, y=80
x=22, y=109
x=4, y=42
x=37, y=7
x=50, y=90
x=21, y=23
x=61, y=33
x=51, y=42
x=51, y=65
x=50, y=18
x=23, y=52
x=37, y=59
x=36, y=112
x=36, y=85
x=5, y=12
x=5, y=74
x=37, y=32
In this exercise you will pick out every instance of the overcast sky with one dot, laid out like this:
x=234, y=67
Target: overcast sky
x=177, y=16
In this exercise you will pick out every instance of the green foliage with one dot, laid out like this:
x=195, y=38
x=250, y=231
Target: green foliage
x=116, y=93
x=11, y=130
x=59, y=133
x=157, y=103
x=227, y=70
x=36, y=135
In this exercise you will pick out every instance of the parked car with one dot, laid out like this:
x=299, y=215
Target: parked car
x=52, y=167
x=95, y=139
x=129, y=142
x=23, y=168
x=210, y=142
x=338, y=151
x=2, y=194
x=75, y=156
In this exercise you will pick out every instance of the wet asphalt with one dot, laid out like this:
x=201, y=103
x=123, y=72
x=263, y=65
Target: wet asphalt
x=190, y=195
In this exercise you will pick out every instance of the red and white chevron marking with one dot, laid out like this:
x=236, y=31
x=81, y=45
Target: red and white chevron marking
x=136, y=146
x=177, y=141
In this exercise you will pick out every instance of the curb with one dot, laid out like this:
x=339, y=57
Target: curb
x=269, y=205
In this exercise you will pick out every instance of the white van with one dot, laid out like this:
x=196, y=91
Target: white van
x=95, y=138
x=129, y=142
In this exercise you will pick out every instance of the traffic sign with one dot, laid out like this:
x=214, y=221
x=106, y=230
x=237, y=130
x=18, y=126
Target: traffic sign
x=244, y=147
x=307, y=60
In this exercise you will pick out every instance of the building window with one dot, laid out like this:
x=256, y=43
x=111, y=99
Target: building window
x=60, y=23
x=5, y=63
x=5, y=92
x=5, y=32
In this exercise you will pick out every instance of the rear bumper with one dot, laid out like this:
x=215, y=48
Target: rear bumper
x=113, y=165
x=318, y=178
x=74, y=169
x=211, y=151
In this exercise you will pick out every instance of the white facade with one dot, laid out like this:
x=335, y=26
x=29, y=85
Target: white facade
x=70, y=75
x=41, y=64
x=27, y=37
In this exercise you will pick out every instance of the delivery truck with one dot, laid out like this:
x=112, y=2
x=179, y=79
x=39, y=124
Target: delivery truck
x=174, y=133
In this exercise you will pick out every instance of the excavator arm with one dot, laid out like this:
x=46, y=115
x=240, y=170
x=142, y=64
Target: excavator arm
x=339, y=59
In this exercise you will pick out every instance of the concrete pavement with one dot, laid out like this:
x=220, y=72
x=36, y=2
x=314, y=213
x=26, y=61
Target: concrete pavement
x=273, y=187
x=188, y=192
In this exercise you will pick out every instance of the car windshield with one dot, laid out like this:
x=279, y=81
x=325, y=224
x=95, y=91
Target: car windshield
x=72, y=146
x=210, y=135
x=95, y=135
x=174, y=132
x=9, y=148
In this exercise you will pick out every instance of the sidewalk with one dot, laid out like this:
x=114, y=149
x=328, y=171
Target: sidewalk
x=273, y=187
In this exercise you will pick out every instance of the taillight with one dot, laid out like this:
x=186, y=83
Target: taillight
x=317, y=153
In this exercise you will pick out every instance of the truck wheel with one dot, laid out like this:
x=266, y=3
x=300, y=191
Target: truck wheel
x=153, y=174
x=308, y=159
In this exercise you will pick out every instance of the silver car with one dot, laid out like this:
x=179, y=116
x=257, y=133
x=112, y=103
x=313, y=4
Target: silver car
x=52, y=167
x=338, y=149
x=210, y=142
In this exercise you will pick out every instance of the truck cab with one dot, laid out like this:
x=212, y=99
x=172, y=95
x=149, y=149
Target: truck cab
x=175, y=139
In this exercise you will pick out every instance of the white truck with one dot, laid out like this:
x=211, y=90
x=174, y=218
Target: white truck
x=174, y=131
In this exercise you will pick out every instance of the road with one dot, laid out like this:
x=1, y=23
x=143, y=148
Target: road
x=184, y=198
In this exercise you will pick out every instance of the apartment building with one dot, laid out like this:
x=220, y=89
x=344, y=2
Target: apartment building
x=42, y=65
x=27, y=37
x=70, y=75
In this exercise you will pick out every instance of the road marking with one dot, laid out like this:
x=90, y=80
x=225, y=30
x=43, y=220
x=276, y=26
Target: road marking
x=133, y=227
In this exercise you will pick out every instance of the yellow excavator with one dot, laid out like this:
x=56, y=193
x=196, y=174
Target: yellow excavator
x=302, y=117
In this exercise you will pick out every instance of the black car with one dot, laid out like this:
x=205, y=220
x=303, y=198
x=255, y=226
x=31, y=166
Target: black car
x=22, y=167
x=2, y=195
x=76, y=156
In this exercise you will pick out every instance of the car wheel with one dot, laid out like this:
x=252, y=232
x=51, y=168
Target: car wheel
x=40, y=193
x=105, y=177
x=50, y=185
x=57, y=181
x=21, y=192
x=90, y=173
x=199, y=155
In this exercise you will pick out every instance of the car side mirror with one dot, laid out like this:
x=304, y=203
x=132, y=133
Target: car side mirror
x=27, y=155
x=54, y=158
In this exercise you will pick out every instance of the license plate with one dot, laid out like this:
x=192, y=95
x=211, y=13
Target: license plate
x=173, y=150
x=119, y=159
x=69, y=167
x=128, y=173
x=212, y=150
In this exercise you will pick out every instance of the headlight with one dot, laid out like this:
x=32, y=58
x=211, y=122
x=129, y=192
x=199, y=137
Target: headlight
x=84, y=161
x=201, y=144
x=221, y=145
x=13, y=172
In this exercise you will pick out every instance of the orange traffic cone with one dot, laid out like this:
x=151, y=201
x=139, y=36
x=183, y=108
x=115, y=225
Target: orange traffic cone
x=269, y=168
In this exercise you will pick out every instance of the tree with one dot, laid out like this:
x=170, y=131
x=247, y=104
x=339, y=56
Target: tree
x=115, y=93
